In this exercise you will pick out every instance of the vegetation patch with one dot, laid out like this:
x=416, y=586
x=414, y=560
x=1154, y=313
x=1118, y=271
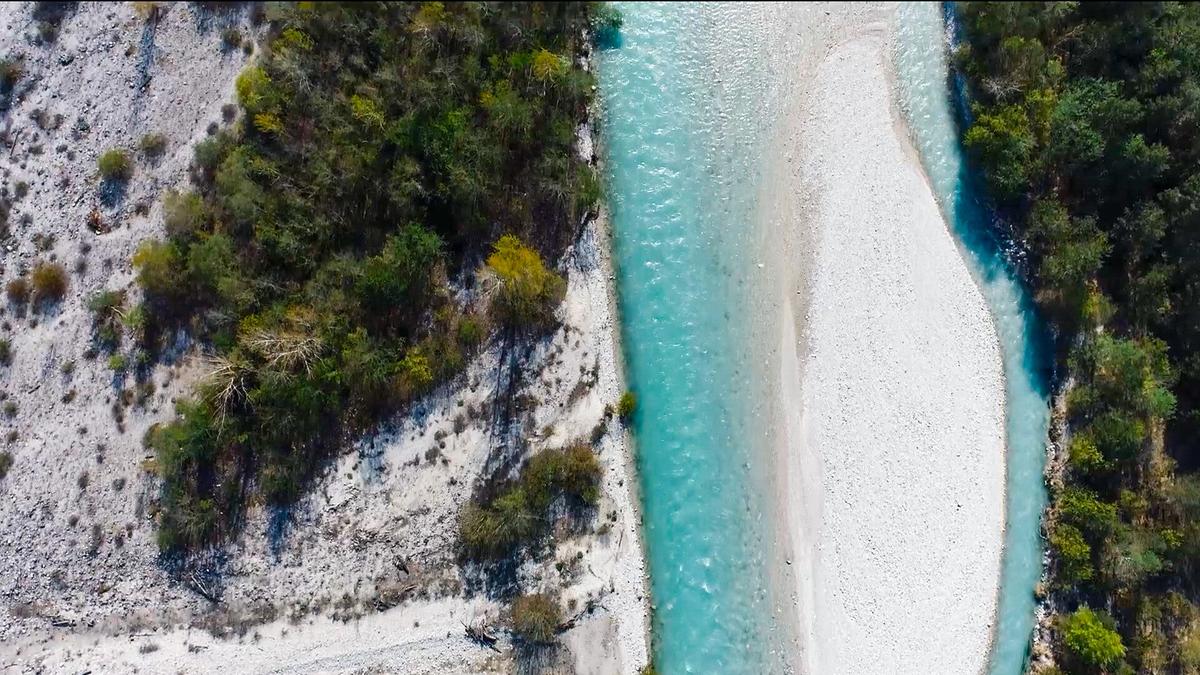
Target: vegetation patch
x=1078, y=113
x=519, y=514
x=384, y=152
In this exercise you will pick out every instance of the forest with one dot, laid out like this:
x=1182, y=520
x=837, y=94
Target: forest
x=1085, y=121
x=386, y=195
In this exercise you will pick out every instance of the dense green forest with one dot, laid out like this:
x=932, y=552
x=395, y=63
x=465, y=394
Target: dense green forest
x=384, y=156
x=1086, y=123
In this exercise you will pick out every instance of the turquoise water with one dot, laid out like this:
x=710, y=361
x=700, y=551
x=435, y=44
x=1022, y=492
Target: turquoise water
x=682, y=124
x=929, y=104
x=687, y=110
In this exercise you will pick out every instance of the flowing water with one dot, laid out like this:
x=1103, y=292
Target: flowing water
x=929, y=97
x=683, y=126
x=688, y=103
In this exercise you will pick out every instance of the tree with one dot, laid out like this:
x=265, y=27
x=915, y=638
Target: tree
x=1090, y=639
x=528, y=292
x=1003, y=140
x=1073, y=553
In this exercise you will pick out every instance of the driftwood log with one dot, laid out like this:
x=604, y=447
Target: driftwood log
x=481, y=635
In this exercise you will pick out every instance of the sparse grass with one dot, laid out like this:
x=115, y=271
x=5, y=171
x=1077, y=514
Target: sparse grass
x=49, y=282
x=10, y=409
x=535, y=618
x=6, y=462
x=153, y=145
x=115, y=165
x=6, y=352
x=118, y=363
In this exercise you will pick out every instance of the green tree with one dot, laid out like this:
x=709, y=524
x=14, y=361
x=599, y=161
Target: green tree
x=1091, y=640
x=1003, y=140
x=528, y=292
x=1073, y=553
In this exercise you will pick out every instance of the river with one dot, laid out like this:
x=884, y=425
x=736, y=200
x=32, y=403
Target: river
x=688, y=106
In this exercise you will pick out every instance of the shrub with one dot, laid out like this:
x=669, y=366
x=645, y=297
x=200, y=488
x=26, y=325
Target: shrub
x=153, y=145
x=519, y=514
x=1081, y=508
x=231, y=37
x=1074, y=553
x=535, y=618
x=470, y=332
x=106, y=309
x=49, y=282
x=18, y=291
x=184, y=214
x=6, y=462
x=528, y=291
x=114, y=165
x=5, y=352
x=11, y=70
x=159, y=271
x=10, y=408
x=118, y=363
x=1085, y=457
x=626, y=406
x=1091, y=640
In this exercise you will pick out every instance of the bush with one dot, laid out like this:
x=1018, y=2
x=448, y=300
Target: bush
x=1090, y=639
x=519, y=515
x=6, y=462
x=153, y=145
x=470, y=332
x=49, y=282
x=11, y=70
x=159, y=271
x=18, y=291
x=626, y=406
x=231, y=37
x=1081, y=508
x=1074, y=554
x=184, y=215
x=535, y=618
x=106, y=309
x=528, y=291
x=114, y=165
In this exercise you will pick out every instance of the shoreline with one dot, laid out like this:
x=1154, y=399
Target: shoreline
x=807, y=552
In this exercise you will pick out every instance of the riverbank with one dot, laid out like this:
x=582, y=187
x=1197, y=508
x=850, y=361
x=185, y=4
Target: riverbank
x=362, y=573
x=891, y=393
